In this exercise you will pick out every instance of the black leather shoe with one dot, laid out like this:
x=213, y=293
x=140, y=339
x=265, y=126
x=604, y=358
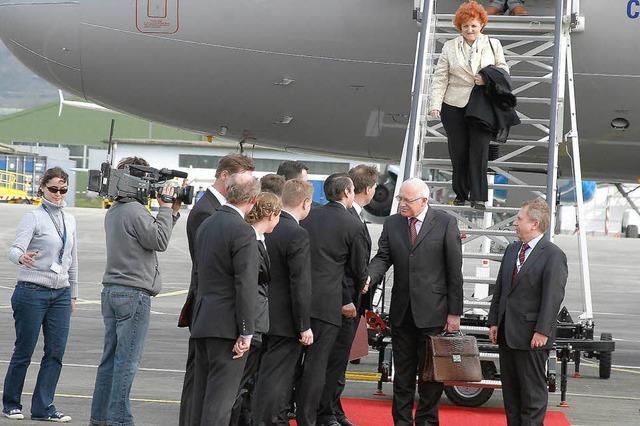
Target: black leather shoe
x=478, y=205
x=343, y=421
x=458, y=202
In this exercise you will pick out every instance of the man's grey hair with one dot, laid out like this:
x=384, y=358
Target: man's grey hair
x=423, y=188
x=538, y=210
x=241, y=188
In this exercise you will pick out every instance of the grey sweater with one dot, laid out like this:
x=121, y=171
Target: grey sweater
x=133, y=238
x=36, y=232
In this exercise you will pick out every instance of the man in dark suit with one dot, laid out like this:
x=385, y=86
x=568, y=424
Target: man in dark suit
x=213, y=198
x=226, y=289
x=289, y=306
x=522, y=319
x=290, y=169
x=272, y=183
x=330, y=413
x=337, y=245
x=423, y=245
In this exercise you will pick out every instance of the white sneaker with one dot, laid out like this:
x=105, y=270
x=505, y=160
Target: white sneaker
x=15, y=414
x=58, y=417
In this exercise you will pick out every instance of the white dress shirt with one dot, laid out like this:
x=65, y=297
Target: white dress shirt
x=527, y=252
x=358, y=210
x=221, y=198
x=259, y=236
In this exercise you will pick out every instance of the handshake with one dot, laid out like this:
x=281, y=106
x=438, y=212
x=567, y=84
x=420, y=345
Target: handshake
x=349, y=310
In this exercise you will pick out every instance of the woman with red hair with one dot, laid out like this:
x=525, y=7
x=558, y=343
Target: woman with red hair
x=455, y=76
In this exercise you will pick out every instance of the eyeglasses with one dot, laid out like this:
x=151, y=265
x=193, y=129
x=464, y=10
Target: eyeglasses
x=55, y=190
x=404, y=200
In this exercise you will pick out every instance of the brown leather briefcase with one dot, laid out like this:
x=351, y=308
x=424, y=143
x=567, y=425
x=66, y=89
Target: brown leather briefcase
x=452, y=357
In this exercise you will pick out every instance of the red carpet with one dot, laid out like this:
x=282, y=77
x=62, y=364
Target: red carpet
x=369, y=412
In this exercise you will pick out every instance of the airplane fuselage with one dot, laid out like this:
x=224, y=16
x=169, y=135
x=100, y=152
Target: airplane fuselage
x=328, y=76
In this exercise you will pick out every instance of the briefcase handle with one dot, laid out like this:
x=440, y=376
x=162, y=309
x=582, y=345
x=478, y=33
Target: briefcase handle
x=447, y=334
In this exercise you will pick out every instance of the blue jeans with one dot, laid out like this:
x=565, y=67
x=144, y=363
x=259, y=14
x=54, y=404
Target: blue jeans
x=33, y=307
x=125, y=311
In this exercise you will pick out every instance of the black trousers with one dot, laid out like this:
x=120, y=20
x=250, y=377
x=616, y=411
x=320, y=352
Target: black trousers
x=241, y=413
x=187, y=386
x=216, y=380
x=409, y=351
x=524, y=383
x=469, y=152
x=275, y=380
x=330, y=407
x=314, y=370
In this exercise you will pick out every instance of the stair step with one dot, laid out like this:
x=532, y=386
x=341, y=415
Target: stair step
x=483, y=256
x=524, y=58
x=489, y=232
x=510, y=142
x=529, y=100
x=512, y=37
x=476, y=280
x=505, y=18
x=448, y=183
x=469, y=304
x=447, y=207
x=544, y=121
x=473, y=329
x=442, y=162
x=526, y=78
x=493, y=26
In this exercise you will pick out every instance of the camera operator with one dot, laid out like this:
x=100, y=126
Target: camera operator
x=130, y=280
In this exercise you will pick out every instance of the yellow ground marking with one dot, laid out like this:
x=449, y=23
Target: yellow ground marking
x=363, y=376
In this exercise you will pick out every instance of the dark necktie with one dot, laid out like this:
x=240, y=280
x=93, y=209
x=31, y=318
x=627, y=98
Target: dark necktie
x=523, y=250
x=413, y=231
x=521, y=254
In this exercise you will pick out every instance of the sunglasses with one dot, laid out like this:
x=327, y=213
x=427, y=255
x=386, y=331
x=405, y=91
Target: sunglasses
x=55, y=190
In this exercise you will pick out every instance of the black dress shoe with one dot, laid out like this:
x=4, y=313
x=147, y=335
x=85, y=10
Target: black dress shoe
x=458, y=202
x=478, y=205
x=343, y=421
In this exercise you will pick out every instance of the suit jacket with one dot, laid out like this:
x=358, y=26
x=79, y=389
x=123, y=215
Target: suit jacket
x=532, y=301
x=426, y=277
x=226, y=280
x=337, y=245
x=262, y=305
x=204, y=207
x=290, y=287
x=453, y=77
x=350, y=287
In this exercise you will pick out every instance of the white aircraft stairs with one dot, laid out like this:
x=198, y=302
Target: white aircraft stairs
x=538, y=51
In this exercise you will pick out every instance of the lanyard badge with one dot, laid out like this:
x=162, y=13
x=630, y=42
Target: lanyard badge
x=63, y=236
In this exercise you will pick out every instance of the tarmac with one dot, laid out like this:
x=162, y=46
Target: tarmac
x=615, y=272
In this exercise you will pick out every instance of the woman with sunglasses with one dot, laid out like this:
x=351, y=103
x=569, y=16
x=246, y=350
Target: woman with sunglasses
x=45, y=249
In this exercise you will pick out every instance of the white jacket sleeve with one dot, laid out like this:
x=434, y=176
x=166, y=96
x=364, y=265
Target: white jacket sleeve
x=440, y=81
x=501, y=62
